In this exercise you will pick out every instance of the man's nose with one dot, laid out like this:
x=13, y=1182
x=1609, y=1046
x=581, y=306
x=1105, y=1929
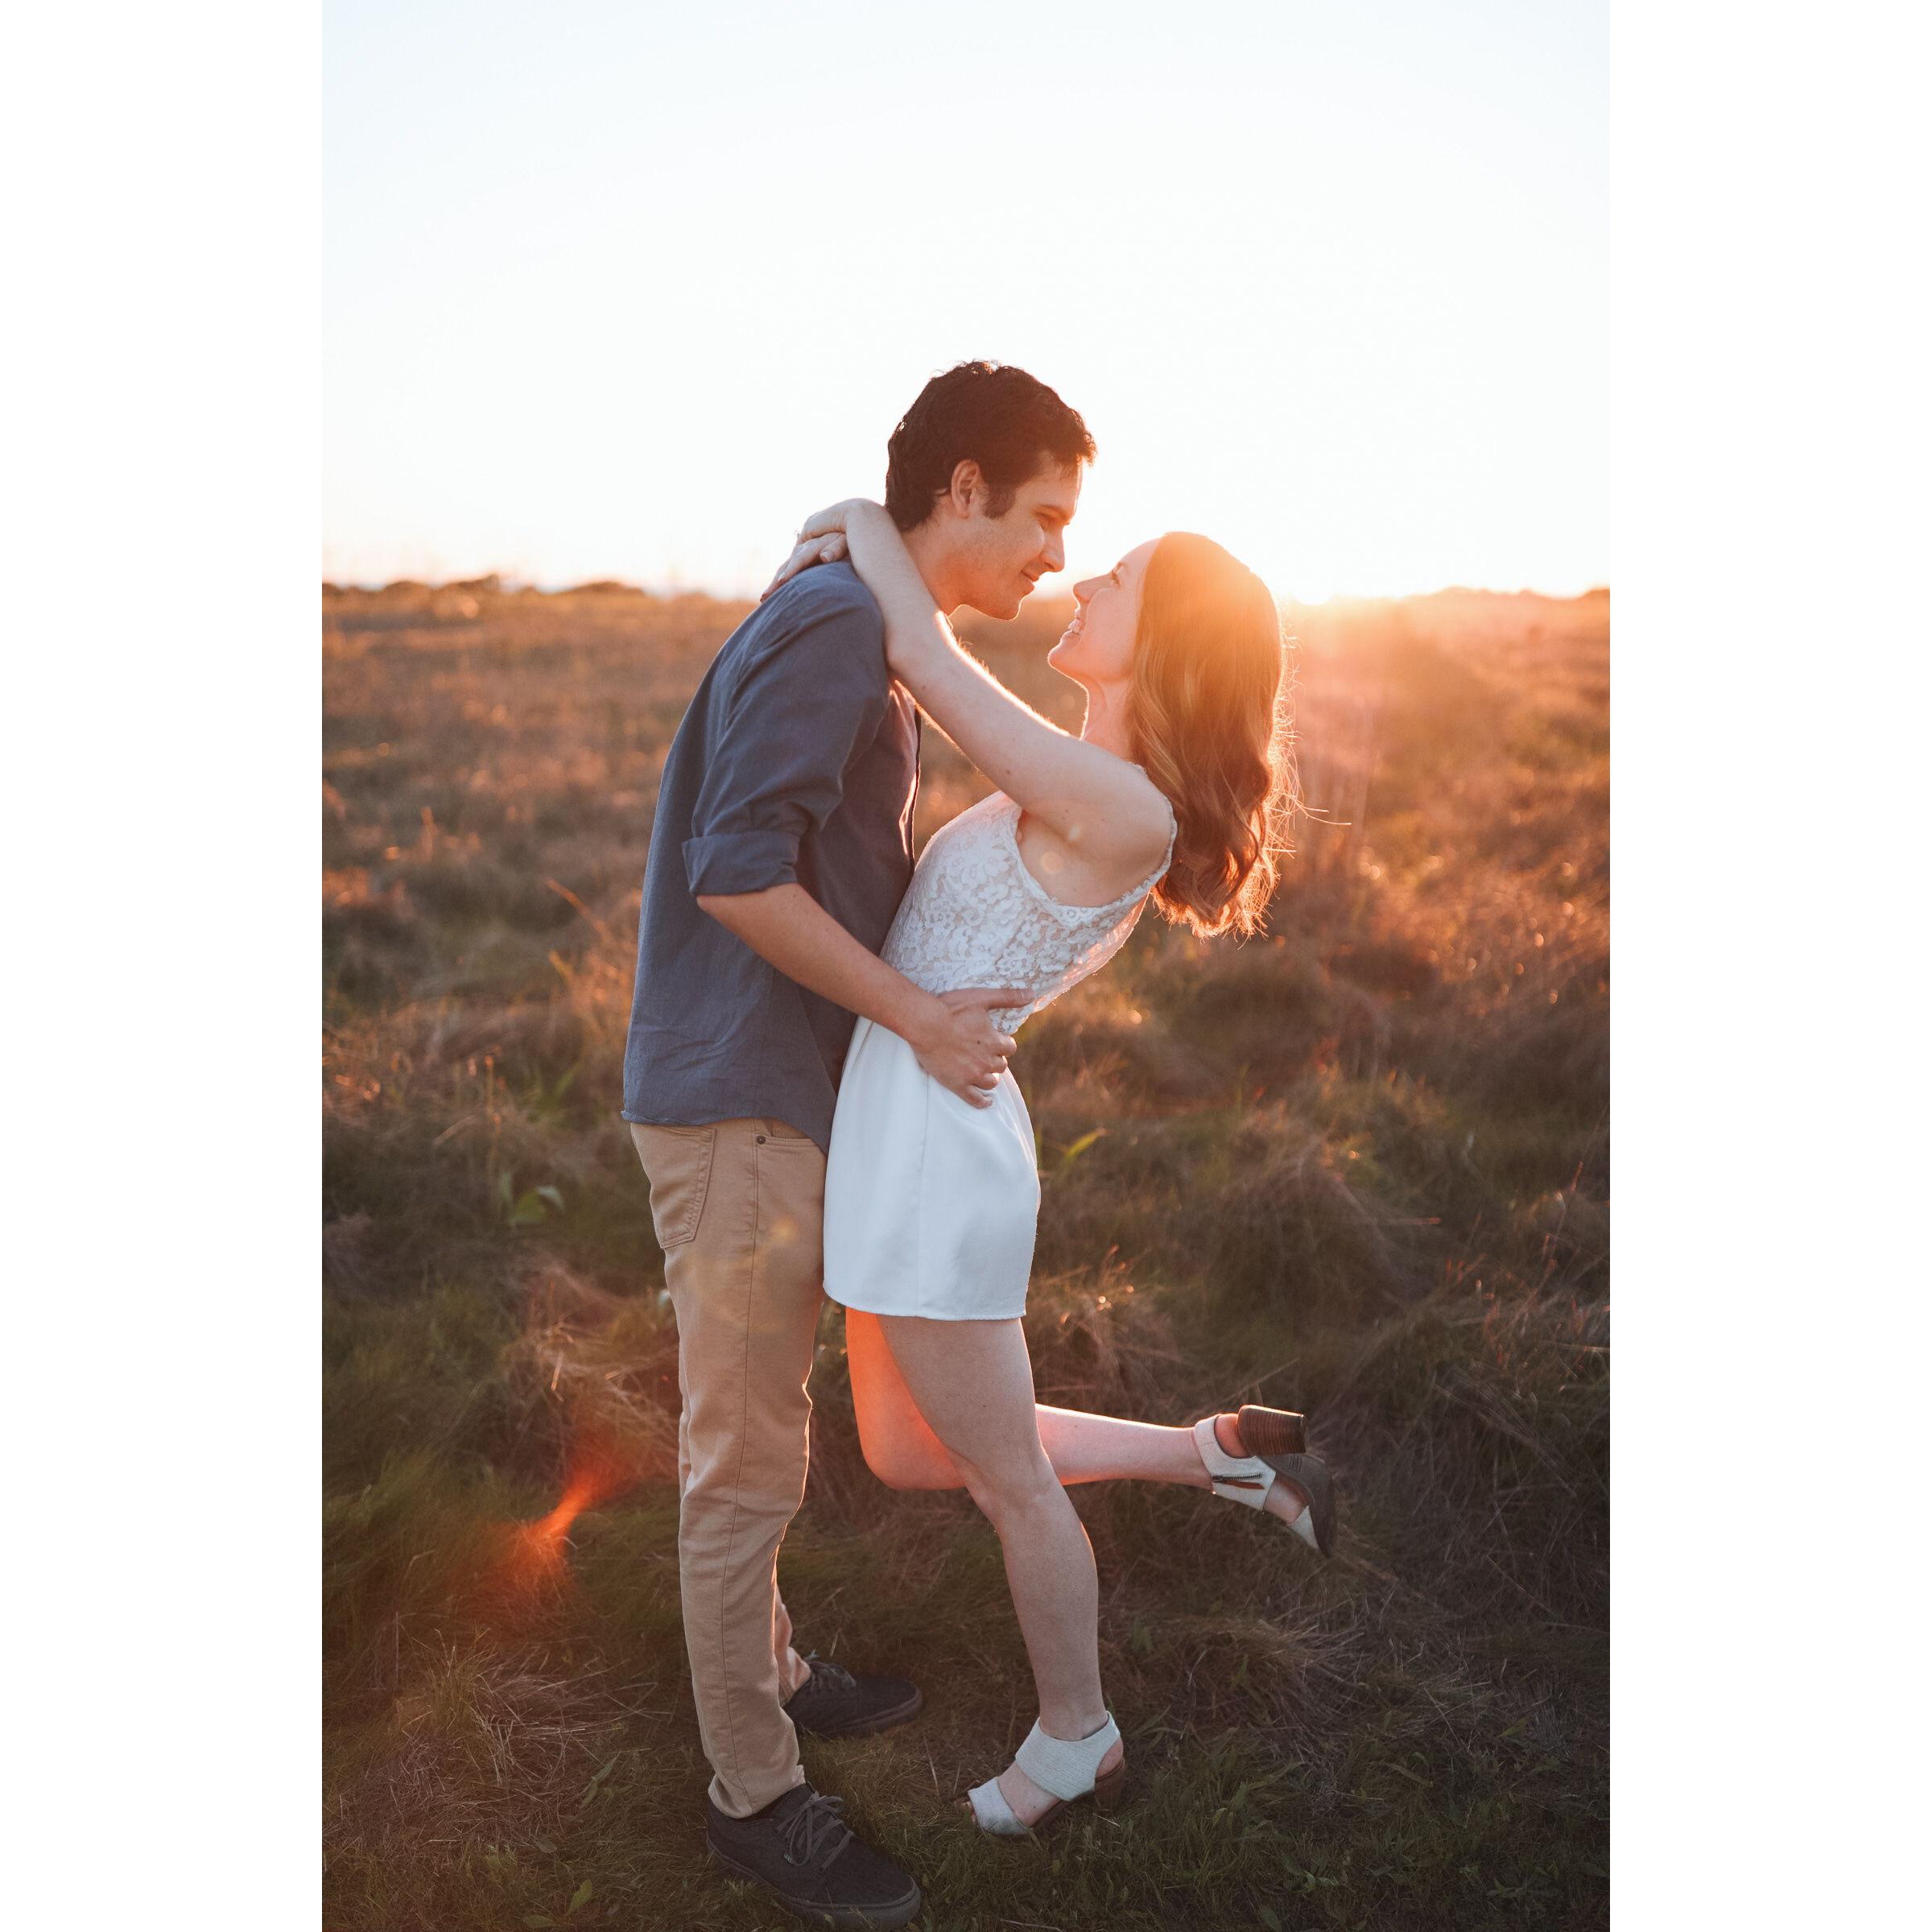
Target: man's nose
x=1055, y=552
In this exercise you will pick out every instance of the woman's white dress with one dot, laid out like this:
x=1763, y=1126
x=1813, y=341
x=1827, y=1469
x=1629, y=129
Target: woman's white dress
x=931, y=1202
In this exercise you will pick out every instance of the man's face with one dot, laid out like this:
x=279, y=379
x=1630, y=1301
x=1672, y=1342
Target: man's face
x=999, y=559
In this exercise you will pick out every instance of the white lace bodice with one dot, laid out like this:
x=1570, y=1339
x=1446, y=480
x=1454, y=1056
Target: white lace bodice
x=975, y=916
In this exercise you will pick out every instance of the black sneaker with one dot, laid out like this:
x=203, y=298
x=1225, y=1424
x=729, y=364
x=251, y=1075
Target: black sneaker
x=835, y=1703
x=800, y=1847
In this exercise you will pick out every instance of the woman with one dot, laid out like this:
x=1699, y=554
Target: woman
x=1170, y=792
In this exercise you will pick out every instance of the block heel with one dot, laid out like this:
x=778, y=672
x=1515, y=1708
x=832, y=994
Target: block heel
x=1271, y=1431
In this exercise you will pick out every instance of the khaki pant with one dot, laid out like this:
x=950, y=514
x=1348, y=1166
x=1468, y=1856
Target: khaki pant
x=738, y=1208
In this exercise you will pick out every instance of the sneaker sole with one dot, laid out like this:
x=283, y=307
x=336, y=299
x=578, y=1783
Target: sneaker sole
x=858, y=1918
x=867, y=1727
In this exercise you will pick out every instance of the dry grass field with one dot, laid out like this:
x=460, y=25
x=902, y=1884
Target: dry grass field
x=1360, y=1166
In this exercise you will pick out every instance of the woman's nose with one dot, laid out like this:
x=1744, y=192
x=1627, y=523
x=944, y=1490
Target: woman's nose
x=1084, y=590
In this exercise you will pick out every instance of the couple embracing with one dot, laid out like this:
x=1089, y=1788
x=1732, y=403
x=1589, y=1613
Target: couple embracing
x=817, y=1083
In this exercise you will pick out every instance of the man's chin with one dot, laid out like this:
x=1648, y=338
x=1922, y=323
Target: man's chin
x=1003, y=608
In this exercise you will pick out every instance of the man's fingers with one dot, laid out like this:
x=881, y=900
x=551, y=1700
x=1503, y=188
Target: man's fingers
x=990, y=996
x=1006, y=1043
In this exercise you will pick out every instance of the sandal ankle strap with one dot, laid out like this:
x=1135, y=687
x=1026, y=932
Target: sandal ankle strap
x=1066, y=1766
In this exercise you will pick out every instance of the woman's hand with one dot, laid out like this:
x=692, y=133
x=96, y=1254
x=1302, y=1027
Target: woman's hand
x=863, y=530
x=821, y=539
x=807, y=552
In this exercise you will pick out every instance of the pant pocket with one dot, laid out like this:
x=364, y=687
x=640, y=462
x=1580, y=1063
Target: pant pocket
x=677, y=1163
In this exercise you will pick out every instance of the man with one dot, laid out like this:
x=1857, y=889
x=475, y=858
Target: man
x=781, y=847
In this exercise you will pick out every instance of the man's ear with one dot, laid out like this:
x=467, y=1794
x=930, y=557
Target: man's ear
x=967, y=487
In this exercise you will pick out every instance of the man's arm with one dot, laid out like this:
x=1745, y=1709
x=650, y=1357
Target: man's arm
x=775, y=775
x=952, y=1035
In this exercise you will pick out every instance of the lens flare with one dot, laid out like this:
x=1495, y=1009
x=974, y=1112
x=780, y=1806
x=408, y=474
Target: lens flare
x=536, y=1555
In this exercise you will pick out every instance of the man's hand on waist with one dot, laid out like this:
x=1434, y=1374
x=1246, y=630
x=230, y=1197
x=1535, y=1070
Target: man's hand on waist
x=958, y=1044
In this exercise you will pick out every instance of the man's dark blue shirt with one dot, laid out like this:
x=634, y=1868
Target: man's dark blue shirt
x=797, y=762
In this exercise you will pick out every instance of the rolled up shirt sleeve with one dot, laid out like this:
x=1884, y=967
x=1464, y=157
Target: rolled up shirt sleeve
x=777, y=770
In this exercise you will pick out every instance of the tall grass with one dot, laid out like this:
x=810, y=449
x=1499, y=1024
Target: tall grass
x=1360, y=1166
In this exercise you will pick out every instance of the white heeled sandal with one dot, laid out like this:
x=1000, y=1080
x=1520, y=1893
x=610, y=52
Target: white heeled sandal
x=1248, y=1478
x=1065, y=1767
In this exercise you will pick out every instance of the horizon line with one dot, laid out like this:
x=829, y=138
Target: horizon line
x=504, y=582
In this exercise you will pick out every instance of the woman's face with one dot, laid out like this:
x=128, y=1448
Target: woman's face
x=1097, y=647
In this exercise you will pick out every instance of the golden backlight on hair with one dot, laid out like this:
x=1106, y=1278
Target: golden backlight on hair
x=1205, y=712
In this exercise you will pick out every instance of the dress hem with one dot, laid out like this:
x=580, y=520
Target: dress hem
x=927, y=1315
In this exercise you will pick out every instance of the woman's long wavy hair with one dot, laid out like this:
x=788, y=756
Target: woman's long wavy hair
x=1206, y=708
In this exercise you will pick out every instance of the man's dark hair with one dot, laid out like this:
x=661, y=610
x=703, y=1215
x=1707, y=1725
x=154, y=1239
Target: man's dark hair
x=1000, y=417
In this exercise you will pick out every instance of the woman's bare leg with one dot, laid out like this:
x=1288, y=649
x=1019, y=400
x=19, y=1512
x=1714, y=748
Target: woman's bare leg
x=902, y=1449
x=972, y=1384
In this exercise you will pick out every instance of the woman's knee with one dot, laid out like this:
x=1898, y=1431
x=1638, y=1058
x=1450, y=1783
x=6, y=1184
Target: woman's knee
x=1008, y=1493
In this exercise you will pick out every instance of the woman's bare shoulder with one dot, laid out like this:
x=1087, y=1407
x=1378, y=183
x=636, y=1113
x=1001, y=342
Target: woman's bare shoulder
x=1142, y=821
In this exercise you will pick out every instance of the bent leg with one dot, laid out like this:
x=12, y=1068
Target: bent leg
x=902, y=1450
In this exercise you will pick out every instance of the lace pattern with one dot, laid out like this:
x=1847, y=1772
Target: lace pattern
x=975, y=916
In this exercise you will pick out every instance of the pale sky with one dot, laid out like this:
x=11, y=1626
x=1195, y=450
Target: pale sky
x=624, y=289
